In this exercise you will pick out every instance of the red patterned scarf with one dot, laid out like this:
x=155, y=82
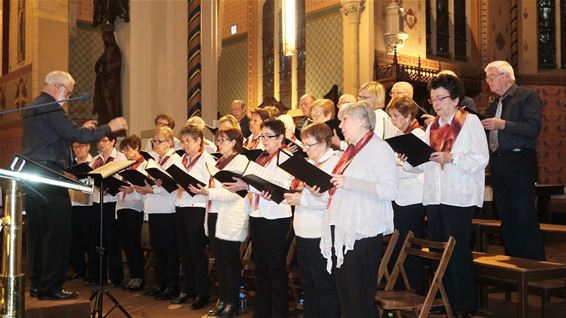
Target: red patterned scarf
x=414, y=125
x=443, y=138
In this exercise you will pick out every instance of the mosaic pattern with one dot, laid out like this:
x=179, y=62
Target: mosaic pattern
x=232, y=70
x=324, y=53
x=84, y=50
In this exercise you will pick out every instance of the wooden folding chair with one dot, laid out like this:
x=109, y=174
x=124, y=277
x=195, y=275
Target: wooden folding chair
x=383, y=272
x=408, y=300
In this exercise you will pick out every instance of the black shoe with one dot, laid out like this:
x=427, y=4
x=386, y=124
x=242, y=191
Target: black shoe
x=217, y=308
x=229, y=311
x=199, y=302
x=136, y=284
x=182, y=298
x=168, y=293
x=33, y=292
x=63, y=294
x=154, y=291
x=439, y=310
x=464, y=314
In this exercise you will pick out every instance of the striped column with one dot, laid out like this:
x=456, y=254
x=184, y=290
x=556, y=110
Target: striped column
x=194, y=105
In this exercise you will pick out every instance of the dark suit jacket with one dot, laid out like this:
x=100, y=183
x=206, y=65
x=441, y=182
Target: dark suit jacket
x=522, y=110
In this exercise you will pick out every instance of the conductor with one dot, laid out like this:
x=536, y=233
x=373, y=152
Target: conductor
x=48, y=134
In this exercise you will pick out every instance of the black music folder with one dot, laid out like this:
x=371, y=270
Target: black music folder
x=416, y=150
x=227, y=176
x=334, y=125
x=136, y=178
x=252, y=154
x=303, y=170
x=146, y=155
x=80, y=170
x=264, y=185
x=299, y=151
x=184, y=179
x=112, y=185
x=157, y=172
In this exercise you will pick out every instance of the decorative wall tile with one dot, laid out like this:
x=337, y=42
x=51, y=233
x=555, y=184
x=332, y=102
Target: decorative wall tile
x=232, y=74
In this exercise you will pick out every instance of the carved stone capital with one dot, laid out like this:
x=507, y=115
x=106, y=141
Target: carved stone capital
x=352, y=9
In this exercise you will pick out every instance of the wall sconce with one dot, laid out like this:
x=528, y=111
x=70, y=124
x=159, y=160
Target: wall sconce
x=289, y=26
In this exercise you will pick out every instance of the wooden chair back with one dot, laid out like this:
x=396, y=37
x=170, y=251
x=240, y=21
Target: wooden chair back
x=436, y=251
x=391, y=241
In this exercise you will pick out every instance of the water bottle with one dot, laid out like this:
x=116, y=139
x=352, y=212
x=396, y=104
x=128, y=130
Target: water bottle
x=243, y=298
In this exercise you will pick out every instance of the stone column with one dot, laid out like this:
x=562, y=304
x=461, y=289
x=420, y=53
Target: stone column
x=352, y=10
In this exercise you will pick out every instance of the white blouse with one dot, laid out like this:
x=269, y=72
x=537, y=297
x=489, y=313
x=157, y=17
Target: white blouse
x=200, y=172
x=460, y=183
x=362, y=208
x=161, y=201
x=266, y=208
x=307, y=221
x=134, y=200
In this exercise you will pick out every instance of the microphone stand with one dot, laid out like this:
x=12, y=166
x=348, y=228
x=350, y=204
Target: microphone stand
x=83, y=97
x=101, y=290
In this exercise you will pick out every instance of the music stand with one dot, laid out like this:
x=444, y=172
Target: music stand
x=99, y=174
x=12, y=277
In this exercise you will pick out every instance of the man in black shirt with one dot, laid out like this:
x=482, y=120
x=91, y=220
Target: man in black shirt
x=239, y=110
x=514, y=121
x=48, y=134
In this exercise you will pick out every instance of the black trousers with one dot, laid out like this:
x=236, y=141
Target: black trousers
x=409, y=218
x=80, y=234
x=112, y=259
x=228, y=263
x=319, y=287
x=269, y=239
x=130, y=227
x=49, y=235
x=356, y=279
x=163, y=240
x=513, y=179
x=192, y=242
x=445, y=221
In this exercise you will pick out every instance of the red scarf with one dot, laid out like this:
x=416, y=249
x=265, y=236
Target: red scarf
x=347, y=158
x=414, y=125
x=163, y=160
x=99, y=162
x=188, y=163
x=443, y=138
x=139, y=161
x=251, y=143
x=220, y=164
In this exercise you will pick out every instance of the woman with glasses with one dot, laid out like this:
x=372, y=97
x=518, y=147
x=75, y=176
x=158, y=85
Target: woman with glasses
x=227, y=223
x=454, y=184
x=408, y=207
x=130, y=216
x=111, y=239
x=190, y=211
x=269, y=227
x=160, y=207
x=359, y=211
x=319, y=287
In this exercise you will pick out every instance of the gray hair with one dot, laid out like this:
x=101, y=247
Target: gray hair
x=59, y=77
x=362, y=110
x=502, y=67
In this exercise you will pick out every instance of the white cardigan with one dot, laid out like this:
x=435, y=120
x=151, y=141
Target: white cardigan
x=307, y=221
x=232, y=222
x=362, y=208
x=410, y=184
x=200, y=172
x=134, y=200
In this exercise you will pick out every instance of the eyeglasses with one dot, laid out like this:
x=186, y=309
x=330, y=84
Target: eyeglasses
x=395, y=116
x=221, y=140
x=491, y=77
x=69, y=92
x=104, y=140
x=79, y=146
x=268, y=136
x=437, y=99
x=157, y=142
x=306, y=146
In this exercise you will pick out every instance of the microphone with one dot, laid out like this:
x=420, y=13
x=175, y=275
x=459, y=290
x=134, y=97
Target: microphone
x=83, y=97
